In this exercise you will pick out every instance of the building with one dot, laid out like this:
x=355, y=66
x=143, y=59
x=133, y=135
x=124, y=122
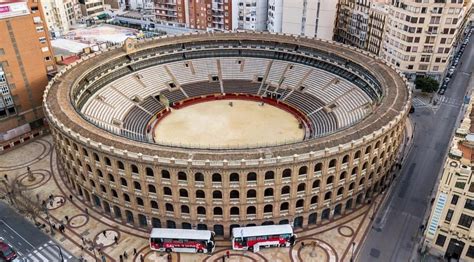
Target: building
x=111, y=162
x=250, y=15
x=60, y=15
x=91, y=8
x=420, y=35
x=209, y=14
x=26, y=59
x=313, y=18
x=449, y=232
x=361, y=23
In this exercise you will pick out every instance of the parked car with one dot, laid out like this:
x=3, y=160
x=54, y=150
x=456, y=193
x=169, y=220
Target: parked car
x=7, y=253
x=441, y=91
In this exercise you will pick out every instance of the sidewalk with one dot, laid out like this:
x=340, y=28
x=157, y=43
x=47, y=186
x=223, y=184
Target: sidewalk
x=90, y=234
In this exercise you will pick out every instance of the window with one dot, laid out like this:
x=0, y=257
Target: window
x=2, y=51
x=440, y=240
x=465, y=221
x=470, y=252
x=42, y=40
x=460, y=185
x=449, y=215
x=454, y=200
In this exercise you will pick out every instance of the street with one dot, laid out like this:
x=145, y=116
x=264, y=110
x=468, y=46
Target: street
x=396, y=228
x=29, y=242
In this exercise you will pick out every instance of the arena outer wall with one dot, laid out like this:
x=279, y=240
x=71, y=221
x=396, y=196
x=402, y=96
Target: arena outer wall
x=306, y=184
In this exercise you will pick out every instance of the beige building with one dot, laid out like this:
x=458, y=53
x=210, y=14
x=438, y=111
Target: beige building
x=449, y=231
x=306, y=183
x=361, y=23
x=26, y=60
x=420, y=35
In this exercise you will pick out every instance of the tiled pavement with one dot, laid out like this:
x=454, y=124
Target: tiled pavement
x=84, y=235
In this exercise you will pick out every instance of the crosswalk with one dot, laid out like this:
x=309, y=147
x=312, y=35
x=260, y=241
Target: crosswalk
x=439, y=100
x=449, y=101
x=416, y=102
x=47, y=252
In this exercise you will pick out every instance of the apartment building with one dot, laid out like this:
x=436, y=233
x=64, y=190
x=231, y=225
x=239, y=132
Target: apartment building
x=250, y=14
x=361, y=23
x=449, y=232
x=314, y=18
x=420, y=35
x=91, y=8
x=209, y=14
x=59, y=15
x=26, y=60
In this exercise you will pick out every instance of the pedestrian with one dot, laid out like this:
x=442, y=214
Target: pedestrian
x=103, y=258
x=223, y=258
x=66, y=218
x=104, y=233
x=302, y=244
x=116, y=240
x=134, y=251
x=169, y=257
x=83, y=240
x=86, y=211
x=125, y=255
x=120, y=258
x=6, y=177
x=227, y=253
x=142, y=259
x=70, y=197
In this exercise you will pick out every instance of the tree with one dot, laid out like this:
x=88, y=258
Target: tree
x=23, y=200
x=426, y=84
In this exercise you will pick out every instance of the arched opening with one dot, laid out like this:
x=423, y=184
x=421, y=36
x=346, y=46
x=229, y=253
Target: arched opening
x=298, y=222
x=142, y=221
x=200, y=194
x=198, y=177
x=169, y=207
x=129, y=216
x=312, y=219
x=216, y=177
x=325, y=214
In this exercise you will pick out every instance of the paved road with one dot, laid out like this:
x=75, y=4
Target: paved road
x=392, y=238
x=30, y=242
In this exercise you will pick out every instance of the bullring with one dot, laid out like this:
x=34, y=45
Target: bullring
x=103, y=110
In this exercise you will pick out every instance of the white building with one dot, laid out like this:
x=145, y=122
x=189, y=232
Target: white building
x=59, y=15
x=315, y=18
x=250, y=14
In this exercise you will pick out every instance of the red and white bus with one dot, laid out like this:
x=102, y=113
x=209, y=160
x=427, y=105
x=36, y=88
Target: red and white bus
x=253, y=238
x=182, y=240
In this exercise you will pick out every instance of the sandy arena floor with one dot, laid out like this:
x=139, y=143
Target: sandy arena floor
x=217, y=124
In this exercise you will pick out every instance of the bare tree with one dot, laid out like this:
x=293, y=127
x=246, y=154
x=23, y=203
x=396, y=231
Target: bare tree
x=24, y=200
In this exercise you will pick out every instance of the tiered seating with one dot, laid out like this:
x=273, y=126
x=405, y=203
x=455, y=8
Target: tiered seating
x=173, y=96
x=116, y=100
x=203, y=68
x=155, y=78
x=136, y=120
x=251, y=68
x=202, y=88
x=152, y=105
x=107, y=105
x=294, y=75
x=241, y=87
x=276, y=71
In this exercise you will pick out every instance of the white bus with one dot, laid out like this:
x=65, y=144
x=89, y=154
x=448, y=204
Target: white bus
x=182, y=240
x=253, y=238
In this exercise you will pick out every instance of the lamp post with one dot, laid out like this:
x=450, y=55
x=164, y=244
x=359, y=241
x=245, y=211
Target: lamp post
x=45, y=207
x=60, y=251
x=352, y=255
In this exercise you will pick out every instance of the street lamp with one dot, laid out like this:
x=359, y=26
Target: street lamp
x=352, y=255
x=60, y=251
x=45, y=207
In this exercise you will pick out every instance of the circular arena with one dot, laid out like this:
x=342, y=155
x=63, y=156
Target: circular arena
x=218, y=130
